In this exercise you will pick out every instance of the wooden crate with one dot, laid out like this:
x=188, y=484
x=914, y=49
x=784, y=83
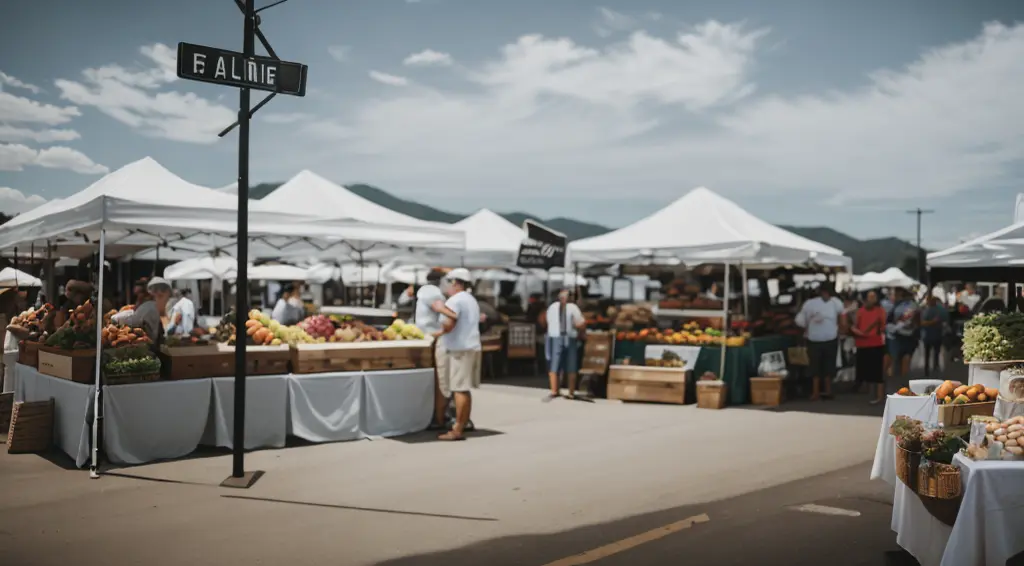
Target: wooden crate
x=766, y=391
x=597, y=353
x=31, y=427
x=957, y=415
x=263, y=360
x=712, y=394
x=175, y=367
x=6, y=408
x=522, y=341
x=362, y=356
x=28, y=353
x=653, y=384
x=78, y=366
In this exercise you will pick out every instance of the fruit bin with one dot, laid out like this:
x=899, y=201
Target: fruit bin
x=78, y=366
x=652, y=384
x=195, y=362
x=712, y=394
x=361, y=356
x=263, y=360
x=766, y=391
x=28, y=353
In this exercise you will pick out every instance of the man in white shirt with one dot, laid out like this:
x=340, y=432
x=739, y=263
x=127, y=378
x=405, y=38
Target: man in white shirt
x=182, y=315
x=969, y=297
x=564, y=321
x=428, y=320
x=822, y=317
x=458, y=353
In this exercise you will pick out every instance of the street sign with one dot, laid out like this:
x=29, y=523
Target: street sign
x=543, y=248
x=230, y=68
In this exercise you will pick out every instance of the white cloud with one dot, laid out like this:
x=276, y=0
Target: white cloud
x=137, y=98
x=13, y=201
x=610, y=22
x=340, y=53
x=14, y=134
x=20, y=110
x=393, y=80
x=670, y=114
x=8, y=80
x=428, y=58
x=14, y=157
x=285, y=117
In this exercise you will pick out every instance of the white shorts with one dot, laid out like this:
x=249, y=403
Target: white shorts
x=457, y=372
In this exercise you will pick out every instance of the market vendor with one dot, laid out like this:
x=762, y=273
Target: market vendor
x=146, y=314
x=182, y=314
x=288, y=310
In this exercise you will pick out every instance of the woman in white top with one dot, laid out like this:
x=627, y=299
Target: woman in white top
x=564, y=321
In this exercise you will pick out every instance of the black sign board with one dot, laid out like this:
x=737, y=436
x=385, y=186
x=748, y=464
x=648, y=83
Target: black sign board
x=230, y=68
x=543, y=248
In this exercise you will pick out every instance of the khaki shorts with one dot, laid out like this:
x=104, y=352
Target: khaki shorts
x=457, y=372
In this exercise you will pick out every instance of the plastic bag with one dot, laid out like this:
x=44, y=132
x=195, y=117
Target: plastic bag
x=772, y=364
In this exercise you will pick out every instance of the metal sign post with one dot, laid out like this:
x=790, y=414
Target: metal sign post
x=245, y=71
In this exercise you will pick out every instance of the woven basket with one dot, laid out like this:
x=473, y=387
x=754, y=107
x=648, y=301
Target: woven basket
x=31, y=427
x=6, y=409
x=939, y=489
x=907, y=464
x=131, y=378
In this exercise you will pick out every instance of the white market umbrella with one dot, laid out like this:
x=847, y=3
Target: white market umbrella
x=10, y=277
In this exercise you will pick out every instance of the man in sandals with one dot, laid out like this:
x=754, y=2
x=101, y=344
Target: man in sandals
x=564, y=321
x=458, y=352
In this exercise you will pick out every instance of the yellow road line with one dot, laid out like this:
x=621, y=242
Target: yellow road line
x=631, y=542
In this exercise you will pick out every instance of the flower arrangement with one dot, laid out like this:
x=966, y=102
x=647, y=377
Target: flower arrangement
x=908, y=433
x=994, y=337
x=939, y=447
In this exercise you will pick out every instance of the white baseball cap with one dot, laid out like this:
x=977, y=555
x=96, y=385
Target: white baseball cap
x=461, y=274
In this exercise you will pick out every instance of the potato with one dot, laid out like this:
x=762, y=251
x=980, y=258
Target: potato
x=943, y=391
x=1001, y=438
x=991, y=427
x=1000, y=431
x=1014, y=428
x=981, y=398
x=960, y=391
x=972, y=393
x=1014, y=435
x=991, y=392
x=1013, y=442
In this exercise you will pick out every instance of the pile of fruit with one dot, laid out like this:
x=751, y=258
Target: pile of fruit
x=667, y=360
x=79, y=332
x=318, y=326
x=690, y=334
x=198, y=337
x=401, y=330
x=115, y=336
x=29, y=324
x=1003, y=440
x=952, y=393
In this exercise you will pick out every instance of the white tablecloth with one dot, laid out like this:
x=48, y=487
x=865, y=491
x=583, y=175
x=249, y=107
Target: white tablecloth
x=325, y=407
x=397, y=402
x=10, y=360
x=73, y=404
x=154, y=421
x=921, y=408
x=266, y=412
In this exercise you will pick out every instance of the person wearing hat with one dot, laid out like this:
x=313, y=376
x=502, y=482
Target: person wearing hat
x=458, y=352
x=822, y=319
x=182, y=314
x=289, y=309
x=147, y=312
x=564, y=321
x=427, y=319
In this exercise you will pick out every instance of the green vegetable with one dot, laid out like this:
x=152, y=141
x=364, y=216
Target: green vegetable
x=131, y=366
x=995, y=337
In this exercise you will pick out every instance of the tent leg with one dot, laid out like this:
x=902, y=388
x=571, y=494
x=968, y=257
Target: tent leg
x=743, y=280
x=725, y=325
x=97, y=410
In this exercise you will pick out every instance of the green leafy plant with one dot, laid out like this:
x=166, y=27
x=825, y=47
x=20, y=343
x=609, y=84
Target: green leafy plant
x=994, y=337
x=939, y=446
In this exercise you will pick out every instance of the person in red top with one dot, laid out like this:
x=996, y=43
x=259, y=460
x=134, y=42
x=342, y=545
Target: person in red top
x=869, y=337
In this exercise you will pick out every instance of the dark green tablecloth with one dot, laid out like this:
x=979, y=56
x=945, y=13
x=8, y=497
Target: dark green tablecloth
x=740, y=362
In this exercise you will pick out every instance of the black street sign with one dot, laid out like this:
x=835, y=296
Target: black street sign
x=230, y=68
x=543, y=248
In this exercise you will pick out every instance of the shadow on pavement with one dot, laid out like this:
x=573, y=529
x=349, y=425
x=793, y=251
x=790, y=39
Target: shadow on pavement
x=367, y=509
x=429, y=436
x=760, y=528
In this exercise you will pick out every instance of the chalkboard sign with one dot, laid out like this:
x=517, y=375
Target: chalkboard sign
x=543, y=248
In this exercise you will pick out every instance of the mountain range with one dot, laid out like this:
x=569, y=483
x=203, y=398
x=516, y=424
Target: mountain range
x=868, y=255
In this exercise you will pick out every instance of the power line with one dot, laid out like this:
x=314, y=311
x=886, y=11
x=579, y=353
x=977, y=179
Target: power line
x=920, y=252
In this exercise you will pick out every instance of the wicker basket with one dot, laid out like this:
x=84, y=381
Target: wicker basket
x=31, y=427
x=907, y=464
x=939, y=489
x=6, y=409
x=128, y=379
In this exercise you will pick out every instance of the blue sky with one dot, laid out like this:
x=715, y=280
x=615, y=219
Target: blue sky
x=840, y=114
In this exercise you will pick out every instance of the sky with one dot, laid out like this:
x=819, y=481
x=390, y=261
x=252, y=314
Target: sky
x=809, y=112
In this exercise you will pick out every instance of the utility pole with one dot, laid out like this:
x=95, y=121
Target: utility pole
x=921, y=257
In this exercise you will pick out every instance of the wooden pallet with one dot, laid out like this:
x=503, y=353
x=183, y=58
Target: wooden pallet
x=31, y=427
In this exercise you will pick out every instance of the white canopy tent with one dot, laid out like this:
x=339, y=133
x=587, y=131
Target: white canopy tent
x=1002, y=248
x=10, y=277
x=892, y=277
x=704, y=227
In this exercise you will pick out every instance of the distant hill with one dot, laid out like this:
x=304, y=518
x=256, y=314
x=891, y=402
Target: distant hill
x=868, y=255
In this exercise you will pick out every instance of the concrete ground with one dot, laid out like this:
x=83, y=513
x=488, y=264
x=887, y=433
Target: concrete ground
x=539, y=484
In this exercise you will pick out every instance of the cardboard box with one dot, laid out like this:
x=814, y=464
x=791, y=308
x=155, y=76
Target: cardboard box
x=651, y=384
x=956, y=415
x=78, y=366
x=217, y=364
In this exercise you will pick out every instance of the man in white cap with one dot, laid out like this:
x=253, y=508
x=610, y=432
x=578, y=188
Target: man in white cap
x=146, y=314
x=458, y=354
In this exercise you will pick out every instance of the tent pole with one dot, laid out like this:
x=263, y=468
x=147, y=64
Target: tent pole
x=97, y=408
x=725, y=325
x=50, y=278
x=746, y=292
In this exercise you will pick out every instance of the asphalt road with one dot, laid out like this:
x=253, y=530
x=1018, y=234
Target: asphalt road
x=849, y=527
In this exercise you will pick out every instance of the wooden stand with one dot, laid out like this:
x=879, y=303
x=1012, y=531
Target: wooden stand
x=712, y=394
x=263, y=360
x=78, y=366
x=362, y=356
x=766, y=391
x=653, y=384
x=957, y=415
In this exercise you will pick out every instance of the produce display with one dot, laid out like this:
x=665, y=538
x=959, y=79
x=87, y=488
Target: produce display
x=29, y=324
x=995, y=337
x=1004, y=440
x=131, y=366
x=690, y=334
x=316, y=329
x=318, y=326
x=952, y=393
x=115, y=336
x=668, y=359
x=198, y=337
x=79, y=332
